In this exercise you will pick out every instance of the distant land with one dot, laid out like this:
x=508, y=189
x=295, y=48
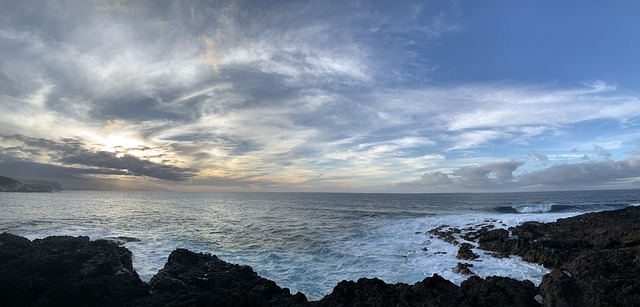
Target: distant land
x=28, y=185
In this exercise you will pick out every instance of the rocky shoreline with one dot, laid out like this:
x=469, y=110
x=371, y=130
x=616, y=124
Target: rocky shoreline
x=595, y=261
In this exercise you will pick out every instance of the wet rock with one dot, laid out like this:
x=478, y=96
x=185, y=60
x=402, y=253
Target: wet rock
x=196, y=279
x=465, y=252
x=473, y=233
x=445, y=233
x=463, y=268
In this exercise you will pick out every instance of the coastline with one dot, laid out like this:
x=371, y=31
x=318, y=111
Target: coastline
x=593, y=257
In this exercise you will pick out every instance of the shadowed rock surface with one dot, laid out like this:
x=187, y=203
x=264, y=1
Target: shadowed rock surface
x=67, y=271
x=596, y=261
x=433, y=291
x=195, y=279
x=596, y=256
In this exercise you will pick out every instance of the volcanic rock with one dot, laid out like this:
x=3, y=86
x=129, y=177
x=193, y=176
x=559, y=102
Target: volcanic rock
x=465, y=252
x=196, y=279
x=596, y=256
x=463, y=268
x=67, y=271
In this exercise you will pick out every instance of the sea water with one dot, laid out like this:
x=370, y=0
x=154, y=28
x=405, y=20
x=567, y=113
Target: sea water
x=307, y=242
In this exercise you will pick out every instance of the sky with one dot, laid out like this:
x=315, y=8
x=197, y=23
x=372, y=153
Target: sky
x=326, y=96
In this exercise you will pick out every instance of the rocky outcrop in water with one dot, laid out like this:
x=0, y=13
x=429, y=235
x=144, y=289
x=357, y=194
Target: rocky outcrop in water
x=596, y=261
x=595, y=256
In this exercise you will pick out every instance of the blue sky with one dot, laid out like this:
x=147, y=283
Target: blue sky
x=364, y=96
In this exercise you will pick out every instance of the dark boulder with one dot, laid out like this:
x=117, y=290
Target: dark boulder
x=499, y=291
x=432, y=291
x=465, y=252
x=196, y=279
x=559, y=289
x=67, y=271
x=463, y=268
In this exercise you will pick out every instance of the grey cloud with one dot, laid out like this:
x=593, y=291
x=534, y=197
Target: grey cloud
x=435, y=179
x=504, y=170
x=72, y=153
x=132, y=60
x=602, y=152
x=487, y=176
x=473, y=175
x=590, y=172
x=565, y=176
x=131, y=165
x=538, y=156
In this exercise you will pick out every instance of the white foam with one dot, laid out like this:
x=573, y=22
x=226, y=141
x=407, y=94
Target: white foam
x=389, y=250
x=534, y=208
x=396, y=252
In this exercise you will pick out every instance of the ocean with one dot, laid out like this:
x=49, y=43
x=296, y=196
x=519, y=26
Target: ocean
x=307, y=242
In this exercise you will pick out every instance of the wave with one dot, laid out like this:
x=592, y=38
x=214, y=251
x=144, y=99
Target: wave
x=533, y=208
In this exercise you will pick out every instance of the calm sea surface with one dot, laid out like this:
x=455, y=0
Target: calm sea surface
x=307, y=242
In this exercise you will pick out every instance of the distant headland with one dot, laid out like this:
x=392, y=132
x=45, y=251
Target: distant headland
x=28, y=185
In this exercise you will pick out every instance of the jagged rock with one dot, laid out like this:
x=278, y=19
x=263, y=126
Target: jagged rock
x=432, y=291
x=499, y=291
x=596, y=256
x=446, y=235
x=463, y=268
x=475, y=232
x=465, y=252
x=67, y=271
x=560, y=290
x=196, y=279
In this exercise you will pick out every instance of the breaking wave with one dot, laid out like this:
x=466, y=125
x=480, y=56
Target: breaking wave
x=535, y=208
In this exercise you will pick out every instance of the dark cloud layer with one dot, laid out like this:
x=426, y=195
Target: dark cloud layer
x=584, y=173
x=73, y=158
x=499, y=176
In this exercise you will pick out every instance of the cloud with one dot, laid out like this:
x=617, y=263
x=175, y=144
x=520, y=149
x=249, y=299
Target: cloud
x=474, y=175
x=501, y=106
x=435, y=179
x=538, y=156
x=73, y=157
x=602, y=152
x=499, y=176
x=576, y=174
